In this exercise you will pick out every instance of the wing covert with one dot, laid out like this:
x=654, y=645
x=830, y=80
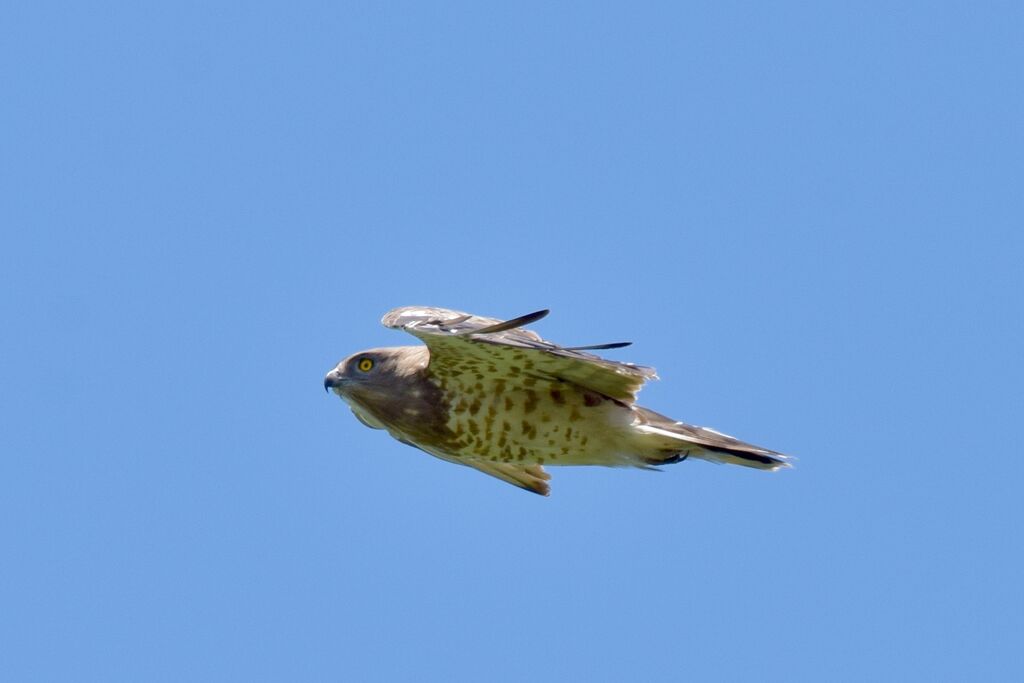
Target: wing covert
x=462, y=342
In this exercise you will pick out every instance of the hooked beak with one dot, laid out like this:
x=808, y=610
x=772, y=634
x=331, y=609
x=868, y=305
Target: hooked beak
x=332, y=380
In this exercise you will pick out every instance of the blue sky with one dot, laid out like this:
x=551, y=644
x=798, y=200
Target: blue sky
x=806, y=216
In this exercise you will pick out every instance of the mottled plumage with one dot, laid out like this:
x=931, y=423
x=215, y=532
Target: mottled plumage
x=491, y=395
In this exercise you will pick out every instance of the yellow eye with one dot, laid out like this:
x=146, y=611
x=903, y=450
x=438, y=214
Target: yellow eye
x=365, y=364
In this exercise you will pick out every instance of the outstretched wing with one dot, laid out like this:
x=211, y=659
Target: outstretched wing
x=467, y=344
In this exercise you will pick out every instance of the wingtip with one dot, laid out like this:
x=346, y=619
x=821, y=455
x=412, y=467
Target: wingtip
x=512, y=324
x=543, y=490
x=597, y=347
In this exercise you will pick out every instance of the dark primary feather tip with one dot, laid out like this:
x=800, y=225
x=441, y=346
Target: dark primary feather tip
x=511, y=324
x=597, y=347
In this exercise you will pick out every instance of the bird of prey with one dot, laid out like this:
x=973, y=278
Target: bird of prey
x=491, y=395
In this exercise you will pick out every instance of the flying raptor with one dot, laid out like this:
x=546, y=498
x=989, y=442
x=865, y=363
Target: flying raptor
x=493, y=396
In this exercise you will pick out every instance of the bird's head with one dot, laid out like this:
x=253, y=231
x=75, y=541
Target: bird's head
x=375, y=375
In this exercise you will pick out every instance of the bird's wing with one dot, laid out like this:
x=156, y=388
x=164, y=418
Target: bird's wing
x=530, y=477
x=465, y=344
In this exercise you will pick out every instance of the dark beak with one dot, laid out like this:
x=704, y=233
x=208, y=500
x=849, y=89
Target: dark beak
x=331, y=380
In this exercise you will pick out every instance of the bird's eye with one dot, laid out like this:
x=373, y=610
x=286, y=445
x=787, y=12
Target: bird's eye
x=365, y=364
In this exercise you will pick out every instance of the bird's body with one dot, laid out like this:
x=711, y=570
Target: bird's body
x=486, y=394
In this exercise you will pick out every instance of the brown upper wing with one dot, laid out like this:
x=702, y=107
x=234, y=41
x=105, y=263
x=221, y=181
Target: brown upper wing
x=461, y=342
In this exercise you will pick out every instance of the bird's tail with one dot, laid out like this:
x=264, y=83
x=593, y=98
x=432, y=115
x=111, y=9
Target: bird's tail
x=668, y=441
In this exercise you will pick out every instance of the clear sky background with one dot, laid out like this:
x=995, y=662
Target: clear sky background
x=807, y=217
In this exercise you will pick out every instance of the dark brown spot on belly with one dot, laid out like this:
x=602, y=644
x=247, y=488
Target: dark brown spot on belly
x=590, y=399
x=531, y=400
x=556, y=396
